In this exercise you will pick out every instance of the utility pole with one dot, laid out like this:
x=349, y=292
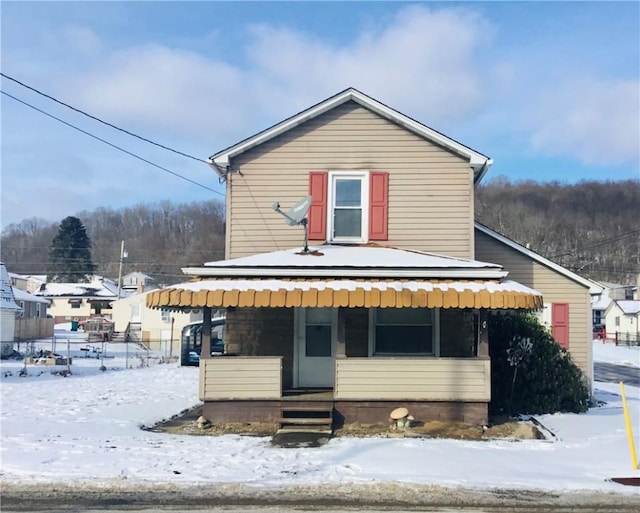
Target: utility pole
x=123, y=255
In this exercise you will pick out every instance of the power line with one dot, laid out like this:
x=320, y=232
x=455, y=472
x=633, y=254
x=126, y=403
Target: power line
x=100, y=120
x=598, y=243
x=113, y=145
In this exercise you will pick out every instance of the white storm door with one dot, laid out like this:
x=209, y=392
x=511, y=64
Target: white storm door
x=135, y=313
x=316, y=335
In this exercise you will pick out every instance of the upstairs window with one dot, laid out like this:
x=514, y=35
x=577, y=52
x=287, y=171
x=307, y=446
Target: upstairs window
x=348, y=206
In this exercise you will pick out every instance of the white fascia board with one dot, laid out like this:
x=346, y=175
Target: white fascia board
x=477, y=160
x=539, y=258
x=259, y=272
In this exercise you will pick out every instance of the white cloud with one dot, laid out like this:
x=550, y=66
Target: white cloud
x=421, y=62
x=595, y=121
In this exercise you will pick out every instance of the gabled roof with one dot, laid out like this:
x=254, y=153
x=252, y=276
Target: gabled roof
x=627, y=307
x=7, y=299
x=538, y=258
x=479, y=162
x=22, y=295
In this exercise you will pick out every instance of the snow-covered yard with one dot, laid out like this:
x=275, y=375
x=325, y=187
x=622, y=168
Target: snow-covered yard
x=86, y=428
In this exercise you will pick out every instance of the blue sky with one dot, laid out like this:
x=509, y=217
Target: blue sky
x=549, y=90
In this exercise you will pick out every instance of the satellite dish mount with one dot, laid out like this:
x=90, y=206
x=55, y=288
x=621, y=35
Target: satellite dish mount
x=297, y=216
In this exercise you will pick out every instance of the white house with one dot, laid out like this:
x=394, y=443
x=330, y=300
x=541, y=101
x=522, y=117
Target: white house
x=159, y=330
x=8, y=310
x=137, y=281
x=623, y=318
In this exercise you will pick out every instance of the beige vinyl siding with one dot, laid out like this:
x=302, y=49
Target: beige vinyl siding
x=428, y=379
x=430, y=191
x=555, y=288
x=240, y=377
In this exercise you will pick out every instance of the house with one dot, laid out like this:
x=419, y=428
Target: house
x=158, y=329
x=79, y=301
x=32, y=321
x=622, y=318
x=8, y=310
x=379, y=299
x=137, y=282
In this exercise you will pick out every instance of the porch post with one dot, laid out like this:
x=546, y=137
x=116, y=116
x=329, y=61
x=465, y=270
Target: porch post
x=205, y=351
x=341, y=346
x=483, y=333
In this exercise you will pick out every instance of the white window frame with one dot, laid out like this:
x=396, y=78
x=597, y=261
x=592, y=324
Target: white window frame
x=436, y=337
x=38, y=311
x=165, y=315
x=362, y=175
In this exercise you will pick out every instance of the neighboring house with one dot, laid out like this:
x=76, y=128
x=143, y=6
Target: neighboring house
x=600, y=301
x=32, y=321
x=159, y=330
x=79, y=301
x=622, y=319
x=137, y=282
x=389, y=306
x=8, y=310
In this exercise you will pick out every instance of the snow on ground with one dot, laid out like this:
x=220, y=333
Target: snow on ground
x=86, y=428
x=620, y=355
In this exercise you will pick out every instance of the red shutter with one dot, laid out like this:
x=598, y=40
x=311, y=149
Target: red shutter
x=317, y=227
x=560, y=323
x=378, y=205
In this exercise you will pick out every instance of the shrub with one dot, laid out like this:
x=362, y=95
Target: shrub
x=530, y=372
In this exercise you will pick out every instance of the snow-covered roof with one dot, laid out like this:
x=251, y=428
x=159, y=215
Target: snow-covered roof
x=603, y=301
x=352, y=285
x=538, y=258
x=75, y=290
x=350, y=261
x=629, y=307
x=22, y=295
x=7, y=299
x=479, y=162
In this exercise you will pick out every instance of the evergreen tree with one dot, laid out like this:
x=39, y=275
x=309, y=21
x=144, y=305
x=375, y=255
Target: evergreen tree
x=70, y=254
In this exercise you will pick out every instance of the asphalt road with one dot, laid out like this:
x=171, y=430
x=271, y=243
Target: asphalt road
x=372, y=498
x=612, y=373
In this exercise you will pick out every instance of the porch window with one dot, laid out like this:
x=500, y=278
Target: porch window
x=348, y=206
x=165, y=315
x=404, y=331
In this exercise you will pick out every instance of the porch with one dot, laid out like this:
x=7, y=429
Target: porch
x=241, y=389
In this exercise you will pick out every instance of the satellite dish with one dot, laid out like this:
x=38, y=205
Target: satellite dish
x=297, y=215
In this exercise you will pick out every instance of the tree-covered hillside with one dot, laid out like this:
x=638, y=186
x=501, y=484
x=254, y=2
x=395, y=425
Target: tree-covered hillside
x=591, y=227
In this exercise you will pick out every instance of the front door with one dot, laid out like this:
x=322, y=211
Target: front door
x=315, y=340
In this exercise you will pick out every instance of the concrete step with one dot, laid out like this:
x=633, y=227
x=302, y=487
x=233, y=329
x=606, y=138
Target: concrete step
x=305, y=421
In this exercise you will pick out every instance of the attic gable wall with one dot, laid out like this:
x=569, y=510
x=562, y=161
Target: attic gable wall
x=430, y=188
